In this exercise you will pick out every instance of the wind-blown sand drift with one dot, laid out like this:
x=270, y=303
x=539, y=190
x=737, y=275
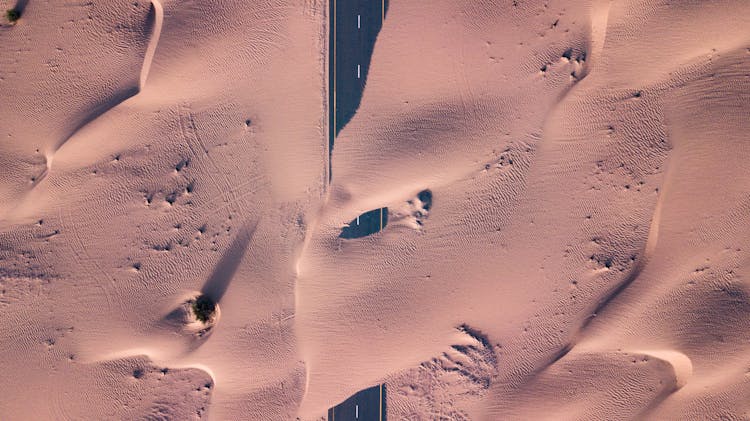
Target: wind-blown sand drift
x=564, y=183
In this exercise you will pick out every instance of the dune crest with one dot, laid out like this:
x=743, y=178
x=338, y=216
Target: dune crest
x=454, y=209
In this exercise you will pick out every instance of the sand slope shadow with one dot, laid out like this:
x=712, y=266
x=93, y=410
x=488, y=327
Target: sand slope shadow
x=183, y=319
x=216, y=285
x=154, y=26
x=442, y=387
x=351, y=44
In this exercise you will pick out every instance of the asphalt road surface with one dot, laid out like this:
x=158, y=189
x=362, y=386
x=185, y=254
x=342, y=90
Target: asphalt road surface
x=355, y=25
x=365, y=405
x=366, y=224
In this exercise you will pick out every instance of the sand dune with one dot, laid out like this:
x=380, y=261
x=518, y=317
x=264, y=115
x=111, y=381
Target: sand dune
x=566, y=230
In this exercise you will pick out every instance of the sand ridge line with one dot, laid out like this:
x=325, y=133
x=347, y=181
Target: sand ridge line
x=117, y=99
x=158, y=11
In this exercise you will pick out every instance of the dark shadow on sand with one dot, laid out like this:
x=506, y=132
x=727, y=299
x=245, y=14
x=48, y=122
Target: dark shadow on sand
x=20, y=6
x=226, y=267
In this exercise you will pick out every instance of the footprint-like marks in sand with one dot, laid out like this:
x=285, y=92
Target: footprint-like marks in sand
x=157, y=393
x=415, y=211
x=196, y=314
x=193, y=318
x=572, y=60
x=464, y=372
x=155, y=21
x=187, y=324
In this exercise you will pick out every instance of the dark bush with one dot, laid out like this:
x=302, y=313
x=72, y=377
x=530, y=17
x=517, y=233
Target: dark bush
x=204, y=308
x=12, y=15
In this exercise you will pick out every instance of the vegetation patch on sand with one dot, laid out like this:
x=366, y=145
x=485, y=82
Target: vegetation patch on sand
x=204, y=308
x=12, y=15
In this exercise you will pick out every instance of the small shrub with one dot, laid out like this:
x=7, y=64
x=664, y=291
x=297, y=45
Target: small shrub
x=204, y=308
x=12, y=15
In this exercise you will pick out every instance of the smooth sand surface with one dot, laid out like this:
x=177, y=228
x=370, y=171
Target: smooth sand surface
x=584, y=256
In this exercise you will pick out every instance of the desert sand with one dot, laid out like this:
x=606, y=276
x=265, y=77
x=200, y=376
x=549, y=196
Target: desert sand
x=584, y=255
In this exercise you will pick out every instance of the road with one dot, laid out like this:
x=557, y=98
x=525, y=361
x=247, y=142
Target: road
x=354, y=26
x=365, y=405
x=366, y=224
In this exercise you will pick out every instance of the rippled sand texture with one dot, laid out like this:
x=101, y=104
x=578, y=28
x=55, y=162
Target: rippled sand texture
x=152, y=151
x=584, y=254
